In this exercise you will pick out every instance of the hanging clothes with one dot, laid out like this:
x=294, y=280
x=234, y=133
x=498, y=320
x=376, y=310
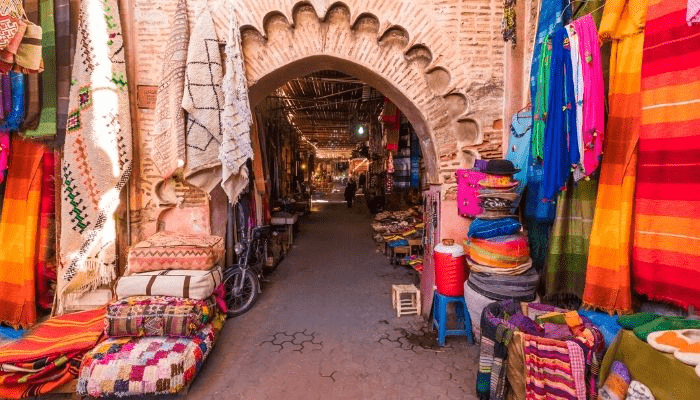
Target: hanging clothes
x=552, y=13
x=565, y=271
x=519, y=147
x=541, y=100
x=593, y=101
x=18, y=234
x=666, y=260
x=608, y=271
x=560, y=142
x=577, y=70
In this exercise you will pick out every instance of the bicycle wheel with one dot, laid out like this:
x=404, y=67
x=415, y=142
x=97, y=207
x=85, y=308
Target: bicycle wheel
x=240, y=301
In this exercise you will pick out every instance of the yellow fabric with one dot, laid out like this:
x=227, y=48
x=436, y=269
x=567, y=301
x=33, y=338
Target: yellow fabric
x=610, y=251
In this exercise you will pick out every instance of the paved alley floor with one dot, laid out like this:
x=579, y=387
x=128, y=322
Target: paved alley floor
x=324, y=328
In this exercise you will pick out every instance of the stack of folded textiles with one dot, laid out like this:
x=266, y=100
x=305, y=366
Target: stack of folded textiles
x=500, y=266
x=49, y=356
x=165, y=321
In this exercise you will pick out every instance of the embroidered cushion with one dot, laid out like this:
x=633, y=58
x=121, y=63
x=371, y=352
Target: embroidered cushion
x=489, y=228
x=158, y=316
x=173, y=250
x=177, y=283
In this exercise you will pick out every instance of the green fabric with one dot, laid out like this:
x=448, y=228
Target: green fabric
x=542, y=100
x=638, y=319
x=665, y=324
x=565, y=270
x=47, y=120
x=666, y=377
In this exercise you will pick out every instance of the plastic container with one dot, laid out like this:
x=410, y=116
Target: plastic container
x=450, y=268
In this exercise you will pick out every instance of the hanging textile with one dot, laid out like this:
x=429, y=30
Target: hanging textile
x=519, y=146
x=63, y=69
x=47, y=118
x=608, y=271
x=18, y=234
x=203, y=100
x=541, y=100
x=169, y=130
x=13, y=119
x=552, y=13
x=693, y=12
x=593, y=102
x=97, y=153
x=565, y=274
x=666, y=261
x=236, y=118
x=33, y=81
x=577, y=78
x=46, y=244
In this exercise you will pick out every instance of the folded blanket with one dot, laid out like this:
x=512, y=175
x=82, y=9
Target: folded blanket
x=158, y=316
x=49, y=356
x=475, y=266
x=145, y=366
x=177, y=283
x=174, y=250
x=503, y=287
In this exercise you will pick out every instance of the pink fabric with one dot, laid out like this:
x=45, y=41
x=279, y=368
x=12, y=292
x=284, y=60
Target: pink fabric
x=468, y=204
x=693, y=13
x=593, y=95
x=4, y=153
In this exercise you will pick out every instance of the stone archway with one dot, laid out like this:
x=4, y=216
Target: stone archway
x=381, y=55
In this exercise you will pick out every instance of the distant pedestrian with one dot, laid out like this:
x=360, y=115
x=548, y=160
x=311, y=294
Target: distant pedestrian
x=350, y=190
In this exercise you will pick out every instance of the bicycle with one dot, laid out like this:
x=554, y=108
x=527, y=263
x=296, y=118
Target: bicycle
x=242, y=280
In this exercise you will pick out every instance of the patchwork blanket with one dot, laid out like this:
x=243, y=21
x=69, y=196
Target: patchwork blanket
x=48, y=357
x=97, y=153
x=144, y=366
x=158, y=316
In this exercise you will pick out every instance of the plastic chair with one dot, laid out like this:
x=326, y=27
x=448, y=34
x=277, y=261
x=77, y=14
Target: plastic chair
x=464, y=322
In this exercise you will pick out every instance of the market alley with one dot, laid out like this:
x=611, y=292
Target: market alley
x=324, y=328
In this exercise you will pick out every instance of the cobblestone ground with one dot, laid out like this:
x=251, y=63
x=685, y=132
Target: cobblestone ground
x=324, y=328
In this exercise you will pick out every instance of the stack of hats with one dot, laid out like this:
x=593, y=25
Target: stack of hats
x=497, y=250
x=169, y=310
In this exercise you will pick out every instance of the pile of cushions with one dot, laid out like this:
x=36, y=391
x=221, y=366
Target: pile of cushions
x=164, y=323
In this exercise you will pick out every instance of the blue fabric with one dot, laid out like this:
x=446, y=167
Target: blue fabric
x=415, y=160
x=535, y=209
x=560, y=139
x=16, y=116
x=397, y=243
x=519, y=146
x=608, y=324
x=549, y=19
x=489, y=228
x=7, y=333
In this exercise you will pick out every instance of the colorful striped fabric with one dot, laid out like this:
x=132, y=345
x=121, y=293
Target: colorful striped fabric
x=666, y=260
x=608, y=271
x=18, y=234
x=553, y=370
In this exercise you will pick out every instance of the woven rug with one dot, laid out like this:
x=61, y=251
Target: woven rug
x=49, y=356
x=97, y=153
x=666, y=259
x=237, y=119
x=169, y=144
x=203, y=100
x=608, y=272
x=18, y=234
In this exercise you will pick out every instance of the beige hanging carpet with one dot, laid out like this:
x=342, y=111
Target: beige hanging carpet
x=97, y=153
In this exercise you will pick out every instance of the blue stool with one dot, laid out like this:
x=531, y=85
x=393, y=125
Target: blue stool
x=464, y=322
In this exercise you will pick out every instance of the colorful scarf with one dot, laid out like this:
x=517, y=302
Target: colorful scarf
x=593, y=119
x=169, y=143
x=541, y=101
x=47, y=118
x=560, y=143
x=568, y=246
x=18, y=234
x=49, y=357
x=46, y=245
x=608, y=272
x=666, y=261
x=554, y=369
x=577, y=70
x=97, y=153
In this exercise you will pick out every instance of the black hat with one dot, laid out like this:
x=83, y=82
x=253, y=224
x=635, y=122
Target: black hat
x=501, y=167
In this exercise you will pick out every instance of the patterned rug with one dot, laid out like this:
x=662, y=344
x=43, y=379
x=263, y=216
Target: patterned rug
x=97, y=153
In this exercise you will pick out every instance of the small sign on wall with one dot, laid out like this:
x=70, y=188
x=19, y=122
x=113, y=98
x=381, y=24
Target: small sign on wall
x=146, y=96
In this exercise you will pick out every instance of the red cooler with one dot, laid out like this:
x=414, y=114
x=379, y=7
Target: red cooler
x=450, y=268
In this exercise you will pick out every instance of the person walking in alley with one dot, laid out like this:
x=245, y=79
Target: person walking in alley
x=350, y=190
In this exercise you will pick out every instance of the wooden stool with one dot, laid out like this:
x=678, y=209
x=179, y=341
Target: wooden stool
x=405, y=299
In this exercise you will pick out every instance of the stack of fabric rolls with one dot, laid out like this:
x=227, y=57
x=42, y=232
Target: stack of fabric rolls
x=170, y=308
x=498, y=253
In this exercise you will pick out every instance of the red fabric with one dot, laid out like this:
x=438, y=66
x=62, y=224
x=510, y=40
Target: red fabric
x=46, y=244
